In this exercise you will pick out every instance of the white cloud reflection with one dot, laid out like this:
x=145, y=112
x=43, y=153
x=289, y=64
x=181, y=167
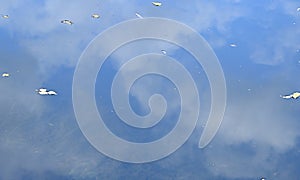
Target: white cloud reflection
x=263, y=124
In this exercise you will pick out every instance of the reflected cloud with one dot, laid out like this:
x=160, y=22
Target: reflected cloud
x=259, y=131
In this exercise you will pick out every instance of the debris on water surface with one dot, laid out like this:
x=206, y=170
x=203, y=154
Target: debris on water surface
x=66, y=21
x=5, y=75
x=95, y=16
x=44, y=91
x=138, y=15
x=157, y=3
x=233, y=45
x=294, y=95
x=52, y=93
x=5, y=16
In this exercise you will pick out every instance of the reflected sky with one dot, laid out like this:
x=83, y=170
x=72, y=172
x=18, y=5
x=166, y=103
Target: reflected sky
x=259, y=135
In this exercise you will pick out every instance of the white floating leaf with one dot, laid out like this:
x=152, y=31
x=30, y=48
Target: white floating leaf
x=157, y=3
x=5, y=16
x=5, y=75
x=233, y=45
x=44, y=91
x=295, y=95
x=95, y=16
x=52, y=93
